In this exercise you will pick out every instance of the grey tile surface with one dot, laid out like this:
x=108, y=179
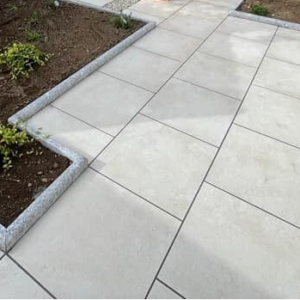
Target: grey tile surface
x=160, y=291
x=16, y=284
x=142, y=68
x=194, y=110
x=104, y=102
x=279, y=76
x=260, y=170
x=227, y=3
x=235, y=48
x=288, y=33
x=272, y=114
x=218, y=74
x=169, y=44
x=248, y=29
x=229, y=249
x=157, y=162
x=97, y=241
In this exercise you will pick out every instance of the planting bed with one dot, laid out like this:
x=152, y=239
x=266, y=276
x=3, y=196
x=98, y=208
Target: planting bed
x=74, y=36
x=287, y=10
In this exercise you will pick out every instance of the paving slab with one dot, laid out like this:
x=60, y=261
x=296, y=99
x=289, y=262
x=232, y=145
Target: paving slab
x=70, y=249
x=191, y=25
x=218, y=74
x=235, y=48
x=70, y=132
x=142, y=68
x=206, y=10
x=285, y=49
x=194, y=110
x=160, y=291
x=157, y=162
x=104, y=102
x=229, y=249
x=260, y=170
x=272, y=114
x=288, y=33
x=169, y=44
x=16, y=284
x=227, y=3
x=279, y=76
x=248, y=29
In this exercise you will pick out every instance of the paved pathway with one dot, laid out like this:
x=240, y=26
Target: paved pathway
x=192, y=135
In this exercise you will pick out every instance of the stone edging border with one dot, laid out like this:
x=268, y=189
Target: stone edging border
x=271, y=21
x=10, y=236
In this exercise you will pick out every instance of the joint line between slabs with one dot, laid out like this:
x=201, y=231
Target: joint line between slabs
x=170, y=288
x=218, y=150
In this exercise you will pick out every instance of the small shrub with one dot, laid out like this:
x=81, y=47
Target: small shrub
x=34, y=19
x=260, y=10
x=12, y=142
x=53, y=4
x=32, y=36
x=122, y=21
x=20, y=59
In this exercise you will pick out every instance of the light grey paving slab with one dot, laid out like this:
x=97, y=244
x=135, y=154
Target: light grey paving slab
x=169, y=43
x=279, y=76
x=98, y=241
x=70, y=132
x=248, y=29
x=16, y=284
x=142, y=68
x=229, y=249
x=159, y=163
x=104, y=102
x=206, y=10
x=191, y=25
x=260, y=170
x=194, y=110
x=227, y=3
x=162, y=9
x=288, y=33
x=234, y=48
x=285, y=49
x=143, y=16
x=218, y=74
x=272, y=114
x=160, y=291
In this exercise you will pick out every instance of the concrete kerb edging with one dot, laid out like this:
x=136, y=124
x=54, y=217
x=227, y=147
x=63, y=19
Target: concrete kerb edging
x=271, y=21
x=9, y=236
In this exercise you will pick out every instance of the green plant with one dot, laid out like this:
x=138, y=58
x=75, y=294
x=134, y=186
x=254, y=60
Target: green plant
x=53, y=4
x=20, y=59
x=34, y=19
x=122, y=21
x=32, y=36
x=11, y=6
x=12, y=142
x=260, y=10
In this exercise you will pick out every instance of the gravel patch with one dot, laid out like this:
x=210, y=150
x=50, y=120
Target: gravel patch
x=118, y=5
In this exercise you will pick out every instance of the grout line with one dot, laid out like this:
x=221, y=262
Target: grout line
x=253, y=205
x=282, y=60
x=2, y=256
x=170, y=288
x=176, y=129
x=134, y=193
x=81, y=120
x=265, y=135
x=34, y=279
x=205, y=88
x=206, y=174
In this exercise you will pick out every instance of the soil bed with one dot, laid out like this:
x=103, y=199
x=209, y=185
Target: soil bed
x=74, y=35
x=287, y=10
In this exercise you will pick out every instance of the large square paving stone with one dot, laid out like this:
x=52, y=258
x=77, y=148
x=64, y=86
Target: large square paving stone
x=16, y=284
x=229, y=249
x=160, y=291
x=194, y=110
x=70, y=132
x=104, y=102
x=169, y=43
x=248, y=29
x=218, y=74
x=97, y=241
x=235, y=48
x=272, y=114
x=279, y=76
x=157, y=162
x=260, y=170
x=288, y=33
x=142, y=68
